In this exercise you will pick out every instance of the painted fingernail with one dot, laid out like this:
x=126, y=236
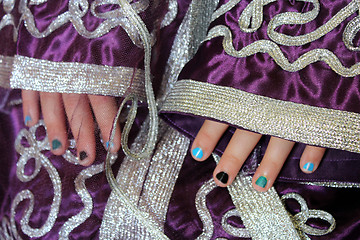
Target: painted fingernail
x=261, y=181
x=309, y=167
x=222, y=177
x=27, y=120
x=55, y=144
x=109, y=144
x=83, y=155
x=197, y=153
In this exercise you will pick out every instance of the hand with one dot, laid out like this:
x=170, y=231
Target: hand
x=79, y=110
x=240, y=146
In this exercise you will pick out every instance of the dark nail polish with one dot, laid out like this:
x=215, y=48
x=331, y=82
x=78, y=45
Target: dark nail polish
x=222, y=177
x=55, y=144
x=83, y=155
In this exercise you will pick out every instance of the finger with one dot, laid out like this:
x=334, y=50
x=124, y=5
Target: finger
x=53, y=113
x=239, y=148
x=311, y=158
x=81, y=122
x=105, y=109
x=31, y=109
x=275, y=156
x=206, y=139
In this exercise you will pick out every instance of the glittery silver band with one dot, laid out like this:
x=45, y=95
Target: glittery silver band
x=64, y=77
x=5, y=70
x=288, y=120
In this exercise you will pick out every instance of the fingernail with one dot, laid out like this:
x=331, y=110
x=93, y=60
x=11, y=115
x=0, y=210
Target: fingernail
x=55, y=144
x=309, y=167
x=197, y=153
x=108, y=143
x=27, y=120
x=83, y=155
x=261, y=181
x=222, y=177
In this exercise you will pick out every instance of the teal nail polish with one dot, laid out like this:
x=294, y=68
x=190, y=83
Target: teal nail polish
x=109, y=144
x=55, y=144
x=309, y=167
x=261, y=181
x=27, y=119
x=197, y=153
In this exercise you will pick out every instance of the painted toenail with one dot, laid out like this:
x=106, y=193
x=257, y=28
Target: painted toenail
x=108, y=143
x=309, y=167
x=197, y=153
x=222, y=177
x=55, y=144
x=27, y=120
x=83, y=155
x=261, y=182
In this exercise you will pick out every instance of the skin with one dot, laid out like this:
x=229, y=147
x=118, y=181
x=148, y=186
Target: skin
x=241, y=145
x=83, y=112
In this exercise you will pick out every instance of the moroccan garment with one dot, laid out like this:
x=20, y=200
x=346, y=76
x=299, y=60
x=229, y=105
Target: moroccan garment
x=281, y=68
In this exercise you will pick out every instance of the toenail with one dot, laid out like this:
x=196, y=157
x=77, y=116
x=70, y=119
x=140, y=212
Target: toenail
x=309, y=167
x=222, y=177
x=261, y=181
x=108, y=143
x=27, y=120
x=55, y=144
x=197, y=153
x=83, y=155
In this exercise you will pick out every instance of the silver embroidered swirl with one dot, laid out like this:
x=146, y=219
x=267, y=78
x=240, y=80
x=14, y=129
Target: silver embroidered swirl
x=27, y=153
x=204, y=214
x=305, y=214
x=266, y=46
x=85, y=196
x=171, y=14
x=78, y=9
x=153, y=127
x=8, y=18
x=234, y=231
x=252, y=16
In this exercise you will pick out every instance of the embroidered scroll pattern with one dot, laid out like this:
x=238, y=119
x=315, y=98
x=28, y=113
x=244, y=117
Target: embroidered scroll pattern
x=254, y=12
x=205, y=216
x=28, y=153
x=77, y=10
x=299, y=219
x=34, y=151
x=8, y=18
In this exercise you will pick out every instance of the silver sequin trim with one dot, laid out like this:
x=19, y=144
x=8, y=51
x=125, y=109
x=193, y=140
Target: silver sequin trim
x=224, y=8
x=47, y=76
x=27, y=153
x=333, y=184
x=147, y=185
x=86, y=199
x=267, y=46
x=263, y=214
x=303, y=18
x=204, y=213
x=5, y=70
x=292, y=121
x=305, y=214
x=171, y=14
x=240, y=232
x=8, y=18
x=77, y=10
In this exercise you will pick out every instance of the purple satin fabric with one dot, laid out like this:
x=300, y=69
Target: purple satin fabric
x=315, y=85
x=67, y=45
